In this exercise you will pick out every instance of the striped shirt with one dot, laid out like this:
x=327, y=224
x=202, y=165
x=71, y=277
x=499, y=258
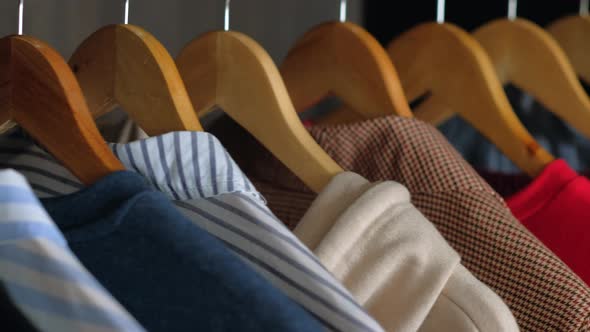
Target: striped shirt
x=43, y=278
x=195, y=170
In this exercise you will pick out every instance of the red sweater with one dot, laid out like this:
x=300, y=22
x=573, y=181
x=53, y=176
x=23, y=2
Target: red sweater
x=556, y=208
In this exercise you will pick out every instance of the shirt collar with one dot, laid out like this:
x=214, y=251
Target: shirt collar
x=183, y=165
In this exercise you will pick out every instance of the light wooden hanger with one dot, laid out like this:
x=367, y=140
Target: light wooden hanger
x=39, y=92
x=526, y=55
x=343, y=59
x=125, y=65
x=573, y=35
x=230, y=70
x=447, y=62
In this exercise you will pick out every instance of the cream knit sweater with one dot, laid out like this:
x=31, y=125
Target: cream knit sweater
x=395, y=262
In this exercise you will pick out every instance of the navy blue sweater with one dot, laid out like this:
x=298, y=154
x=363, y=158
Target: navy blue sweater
x=167, y=272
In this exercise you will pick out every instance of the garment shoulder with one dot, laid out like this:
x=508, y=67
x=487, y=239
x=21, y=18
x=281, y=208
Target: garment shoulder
x=405, y=150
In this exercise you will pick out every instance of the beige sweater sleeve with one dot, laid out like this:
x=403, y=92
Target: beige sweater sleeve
x=395, y=262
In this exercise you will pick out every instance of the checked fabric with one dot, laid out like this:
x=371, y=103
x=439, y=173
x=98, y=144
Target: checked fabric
x=541, y=291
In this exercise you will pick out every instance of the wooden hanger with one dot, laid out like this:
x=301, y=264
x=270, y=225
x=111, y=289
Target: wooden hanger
x=527, y=56
x=125, y=65
x=343, y=59
x=448, y=63
x=230, y=70
x=40, y=93
x=573, y=35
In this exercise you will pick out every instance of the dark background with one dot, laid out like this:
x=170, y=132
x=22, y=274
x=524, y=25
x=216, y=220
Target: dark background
x=387, y=19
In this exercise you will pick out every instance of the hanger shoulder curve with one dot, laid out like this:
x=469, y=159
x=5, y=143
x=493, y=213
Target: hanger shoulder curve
x=528, y=56
x=345, y=60
x=230, y=70
x=125, y=65
x=573, y=33
x=430, y=54
x=41, y=94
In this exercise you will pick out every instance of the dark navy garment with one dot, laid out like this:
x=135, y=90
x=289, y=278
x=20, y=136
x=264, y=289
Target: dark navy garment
x=556, y=136
x=166, y=271
x=11, y=318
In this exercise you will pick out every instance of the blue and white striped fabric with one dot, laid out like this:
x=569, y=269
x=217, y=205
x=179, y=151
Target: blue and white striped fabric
x=41, y=275
x=196, y=172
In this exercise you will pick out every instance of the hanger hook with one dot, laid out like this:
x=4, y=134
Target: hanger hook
x=21, y=10
x=512, y=6
x=440, y=11
x=126, y=13
x=584, y=7
x=226, y=16
x=343, y=10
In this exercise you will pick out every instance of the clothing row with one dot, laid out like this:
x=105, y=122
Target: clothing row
x=183, y=239
x=412, y=240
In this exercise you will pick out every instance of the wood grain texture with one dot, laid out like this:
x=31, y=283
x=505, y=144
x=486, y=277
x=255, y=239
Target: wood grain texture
x=230, y=70
x=40, y=93
x=450, y=64
x=345, y=60
x=527, y=56
x=573, y=35
x=125, y=65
